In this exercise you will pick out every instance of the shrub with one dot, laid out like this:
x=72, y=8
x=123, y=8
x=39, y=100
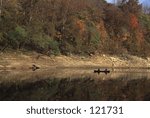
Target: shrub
x=54, y=46
x=145, y=22
x=44, y=43
x=93, y=38
x=17, y=37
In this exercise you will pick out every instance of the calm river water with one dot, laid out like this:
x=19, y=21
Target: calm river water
x=74, y=84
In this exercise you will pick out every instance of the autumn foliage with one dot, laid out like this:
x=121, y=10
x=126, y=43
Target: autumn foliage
x=134, y=21
x=74, y=27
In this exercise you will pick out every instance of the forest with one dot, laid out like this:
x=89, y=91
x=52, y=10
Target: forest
x=80, y=27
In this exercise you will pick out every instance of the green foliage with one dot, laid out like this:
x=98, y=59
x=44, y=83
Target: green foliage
x=20, y=32
x=54, y=46
x=39, y=41
x=44, y=43
x=145, y=21
x=94, y=37
x=17, y=37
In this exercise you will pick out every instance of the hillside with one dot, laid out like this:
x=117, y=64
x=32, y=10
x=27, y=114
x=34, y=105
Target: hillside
x=80, y=27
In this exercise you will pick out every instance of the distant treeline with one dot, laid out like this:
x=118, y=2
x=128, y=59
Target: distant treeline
x=74, y=27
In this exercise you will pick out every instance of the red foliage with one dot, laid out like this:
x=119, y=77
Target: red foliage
x=134, y=21
x=138, y=31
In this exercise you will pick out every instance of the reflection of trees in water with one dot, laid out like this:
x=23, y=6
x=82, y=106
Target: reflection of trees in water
x=77, y=89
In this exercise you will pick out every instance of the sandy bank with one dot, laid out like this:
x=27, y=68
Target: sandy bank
x=25, y=61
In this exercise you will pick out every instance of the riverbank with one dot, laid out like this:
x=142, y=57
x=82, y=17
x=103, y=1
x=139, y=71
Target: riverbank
x=24, y=61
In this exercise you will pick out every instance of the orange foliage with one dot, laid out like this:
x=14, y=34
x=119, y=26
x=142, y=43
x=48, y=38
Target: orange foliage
x=80, y=24
x=135, y=25
x=134, y=21
x=102, y=30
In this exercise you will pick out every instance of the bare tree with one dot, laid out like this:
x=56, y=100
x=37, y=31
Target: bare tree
x=146, y=9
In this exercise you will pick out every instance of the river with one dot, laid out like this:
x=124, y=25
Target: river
x=74, y=85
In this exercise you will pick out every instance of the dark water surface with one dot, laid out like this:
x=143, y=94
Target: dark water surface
x=74, y=84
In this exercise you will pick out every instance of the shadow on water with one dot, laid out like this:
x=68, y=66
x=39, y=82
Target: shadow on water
x=68, y=85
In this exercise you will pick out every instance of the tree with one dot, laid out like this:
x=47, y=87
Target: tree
x=17, y=37
x=131, y=6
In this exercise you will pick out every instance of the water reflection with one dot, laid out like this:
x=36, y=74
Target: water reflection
x=74, y=84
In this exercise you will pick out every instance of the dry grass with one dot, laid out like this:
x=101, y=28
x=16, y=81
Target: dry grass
x=26, y=60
